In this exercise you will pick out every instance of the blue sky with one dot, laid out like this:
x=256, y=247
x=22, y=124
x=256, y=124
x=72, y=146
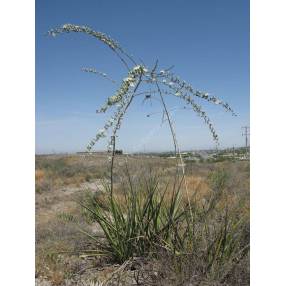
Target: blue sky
x=207, y=41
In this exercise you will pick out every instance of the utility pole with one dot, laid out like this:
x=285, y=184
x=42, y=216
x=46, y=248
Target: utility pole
x=246, y=134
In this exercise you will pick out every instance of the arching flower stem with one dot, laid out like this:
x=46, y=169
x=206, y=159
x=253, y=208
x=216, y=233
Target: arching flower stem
x=113, y=137
x=175, y=142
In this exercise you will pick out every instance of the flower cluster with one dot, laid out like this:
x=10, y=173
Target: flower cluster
x=198, y=109
x=127, y=84
x=121, y=99
x=93, y=70
x=67, y=28
x=179, y=85
x=111, y=43
x=102, y=132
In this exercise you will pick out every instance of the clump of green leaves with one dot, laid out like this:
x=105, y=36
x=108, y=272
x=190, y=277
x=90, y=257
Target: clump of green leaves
x=137, y=224
x=152, y=220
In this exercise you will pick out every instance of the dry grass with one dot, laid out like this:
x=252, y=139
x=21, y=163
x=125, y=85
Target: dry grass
x=62, y=179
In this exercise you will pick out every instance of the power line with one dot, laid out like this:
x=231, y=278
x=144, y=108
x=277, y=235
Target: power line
x=246, y=133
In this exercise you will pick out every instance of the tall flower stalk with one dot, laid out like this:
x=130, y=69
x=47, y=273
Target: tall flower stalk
x=163, y=82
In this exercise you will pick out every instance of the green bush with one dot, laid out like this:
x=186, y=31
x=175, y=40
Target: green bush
x=137, y=225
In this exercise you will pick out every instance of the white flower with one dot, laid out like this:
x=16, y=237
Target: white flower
x=113, y=98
